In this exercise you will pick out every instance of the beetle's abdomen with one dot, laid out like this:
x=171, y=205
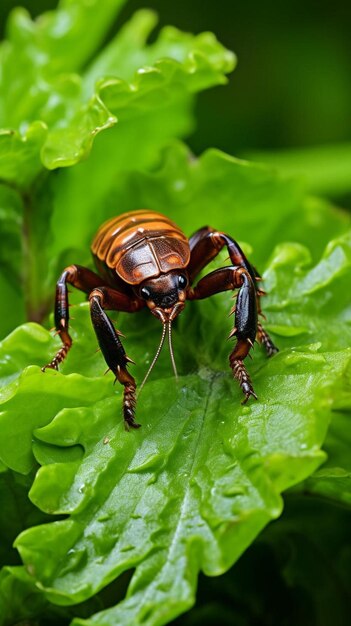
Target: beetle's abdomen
x=140, y=245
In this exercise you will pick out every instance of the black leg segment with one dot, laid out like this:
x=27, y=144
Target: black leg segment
x=83, y=279
x=229, y=278
x=112, y=348
x=206, y=244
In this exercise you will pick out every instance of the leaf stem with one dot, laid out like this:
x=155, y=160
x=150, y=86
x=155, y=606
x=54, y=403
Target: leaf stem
x=36, y=304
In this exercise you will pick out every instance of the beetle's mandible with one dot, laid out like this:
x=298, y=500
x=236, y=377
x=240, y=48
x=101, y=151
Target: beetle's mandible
x=144, y=259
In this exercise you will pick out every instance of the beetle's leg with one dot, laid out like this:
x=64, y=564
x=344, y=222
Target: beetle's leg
x=111, y=345
x=205, y=244
x=83, y=279
x=264, y=338
x=229, y=278
x=262, y=335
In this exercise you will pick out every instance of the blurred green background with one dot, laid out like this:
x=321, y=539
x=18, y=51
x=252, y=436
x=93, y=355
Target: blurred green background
x=290, y=90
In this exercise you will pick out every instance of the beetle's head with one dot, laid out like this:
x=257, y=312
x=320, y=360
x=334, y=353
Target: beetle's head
x=165, y=295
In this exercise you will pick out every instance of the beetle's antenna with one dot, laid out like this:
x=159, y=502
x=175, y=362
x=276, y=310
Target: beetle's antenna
x=164, y=330
x=171, y=349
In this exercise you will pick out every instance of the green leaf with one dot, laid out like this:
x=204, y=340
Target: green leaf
x=156, y=79
x=21, y=600
x=314, y=304
x=20, y=154
x=296, y=572
x=153, y=103
x=211, y=468
x=18, y=599
x=56, y=97
x=45, y=78
x=251, y=202
x=200, y=61
x=190, y=491
x=37, y=80
x=223, y=464
x=333, y=480
x=17, y=397
x=330, y=317
x=52, y=38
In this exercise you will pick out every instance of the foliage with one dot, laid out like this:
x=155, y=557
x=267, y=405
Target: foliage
x=118, y=525
x=296, y=572
x=61, y=99
x=326, y=169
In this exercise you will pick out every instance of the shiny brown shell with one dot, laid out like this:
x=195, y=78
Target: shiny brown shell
x=139, y=245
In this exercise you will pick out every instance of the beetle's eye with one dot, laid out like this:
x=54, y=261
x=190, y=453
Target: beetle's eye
x=182, y=281
x=145, y=292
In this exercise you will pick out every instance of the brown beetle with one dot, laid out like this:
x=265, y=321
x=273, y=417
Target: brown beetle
x=143, y=258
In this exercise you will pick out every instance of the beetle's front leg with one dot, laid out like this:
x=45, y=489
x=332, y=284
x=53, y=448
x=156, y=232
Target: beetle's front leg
x=112, y=348
x=245, y=329
x=83, y=279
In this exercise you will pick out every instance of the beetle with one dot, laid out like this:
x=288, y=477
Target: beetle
x=143, y=259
